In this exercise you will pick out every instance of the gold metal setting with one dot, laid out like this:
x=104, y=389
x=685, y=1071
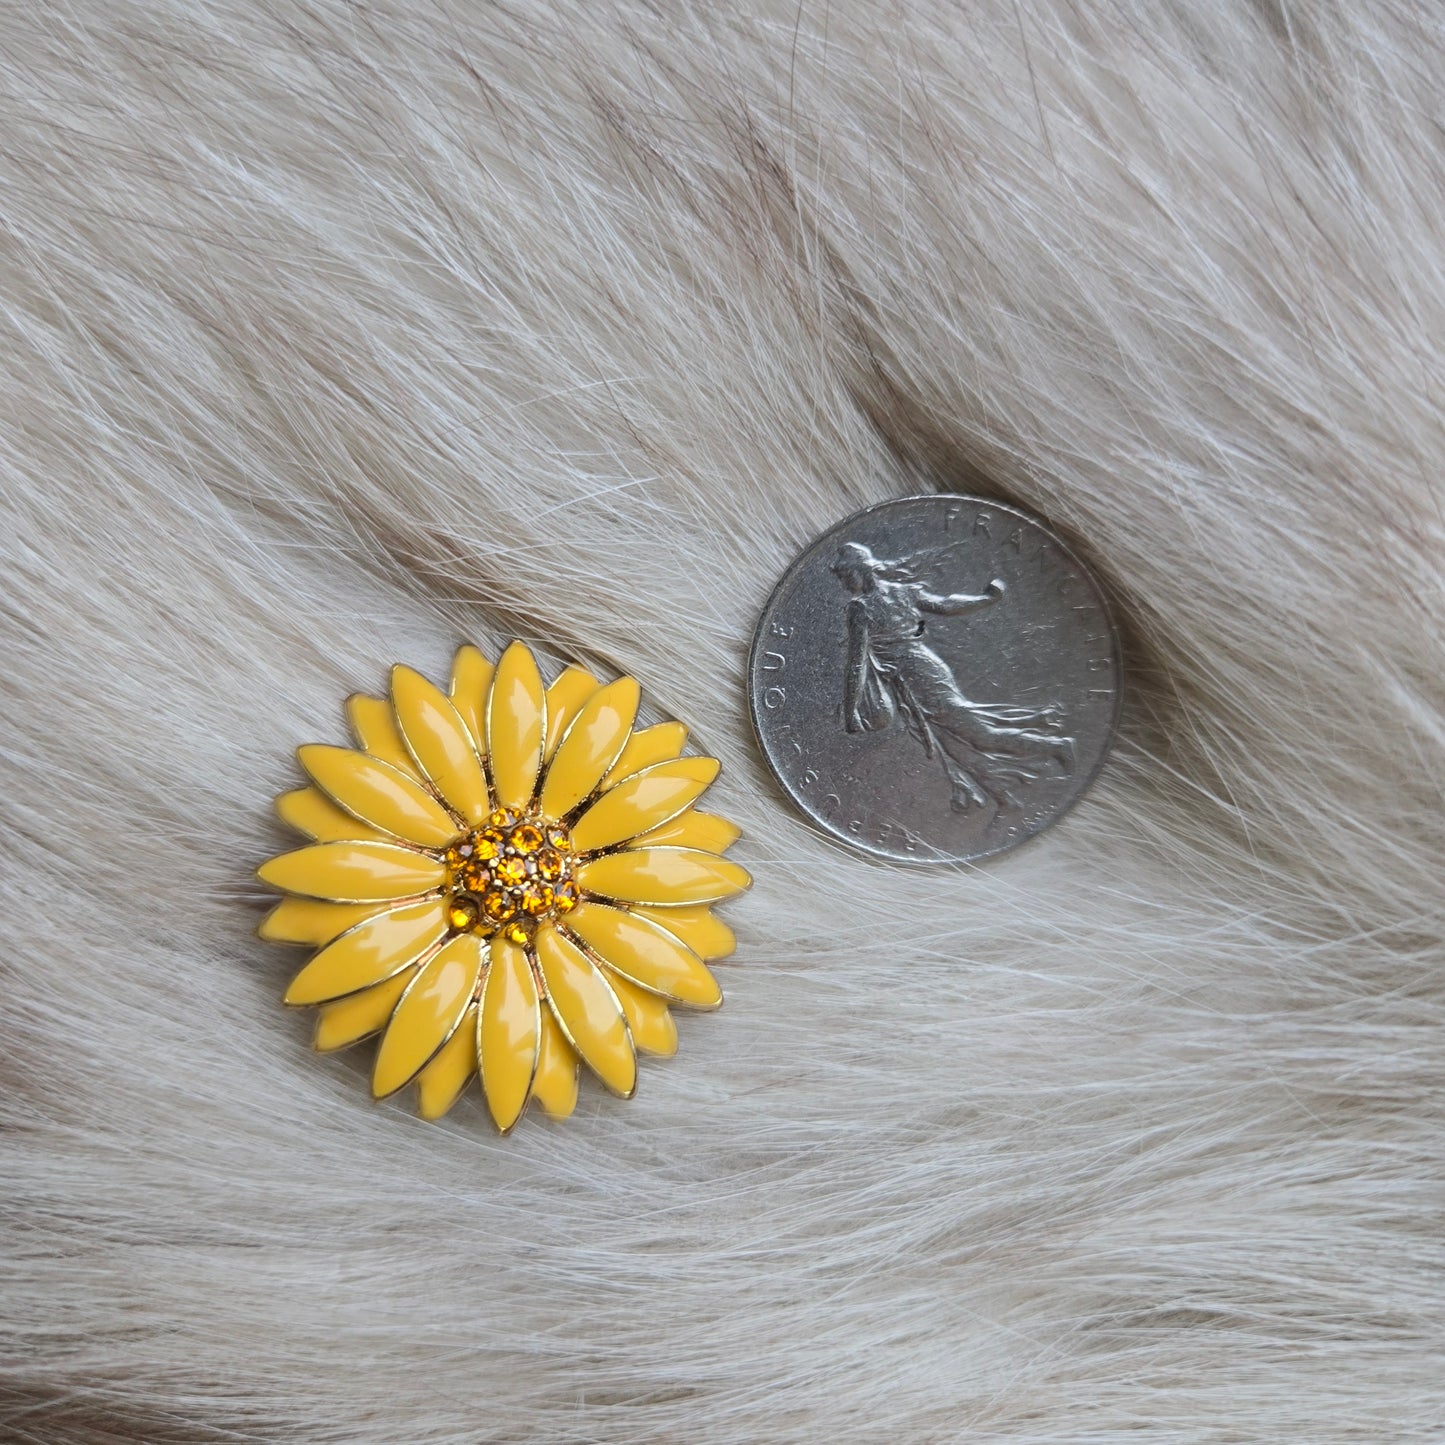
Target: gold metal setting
x=510, y=876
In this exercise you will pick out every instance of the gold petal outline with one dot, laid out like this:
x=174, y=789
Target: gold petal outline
x=606, y=855
x=424, y=956
x=374, y=726
x=311, y=812
x=489, y=753
x=635, y=999
x=481, y=971
x=288, y=906
x=380, y=902
x=596, y=789
x=565, y=699
x=401, y=670
x=667, y=739
x=715, y=834
x=326, y=1011
x=566, y=1033
x=536, y=1051
x=601, y=961
x=602, y=795
x=471, y=680
x=673, y=917
x=553, y=1038
x=425, y=1107
x=412, y=779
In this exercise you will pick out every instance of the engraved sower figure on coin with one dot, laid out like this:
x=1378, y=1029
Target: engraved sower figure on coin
x=935, y=679
x=894, y=673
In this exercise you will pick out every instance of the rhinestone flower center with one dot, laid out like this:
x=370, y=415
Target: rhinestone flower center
x=510, y=874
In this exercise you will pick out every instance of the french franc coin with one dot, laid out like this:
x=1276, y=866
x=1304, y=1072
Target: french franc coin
x=935, y=679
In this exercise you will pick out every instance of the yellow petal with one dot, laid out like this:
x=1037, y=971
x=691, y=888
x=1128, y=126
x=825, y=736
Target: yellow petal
x=349, y=1019
x=372, y=951
x=310, y=811
x=587, y=1010
x=309, y=920
x=374, y=724
x=516, y=724
x=654, y=1030
x=642, y=802
x=471, y=677
x=704, y=933
x=662, y=875
x=564, y=701
x=591, y=745
x=429, y=1011
x=648, y=955
x=658, y=744
x=379, y=794
x=692, y=829
x=508, y=1036
x=555, y=1087
x=441, y=743
x=353, y=872
x=441, y=1082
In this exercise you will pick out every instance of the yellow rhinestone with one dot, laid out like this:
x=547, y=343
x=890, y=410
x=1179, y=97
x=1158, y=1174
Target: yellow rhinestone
x=510, y=872
x=458, y=853
x=537, y=898
x=498, y=907
x=557, y=835
x=565, y=898
x=550, y=865
x=462, y=914
x=527, y=838
x=515, y=932
x=503, y=818
x=487, y=845
x=475, y=877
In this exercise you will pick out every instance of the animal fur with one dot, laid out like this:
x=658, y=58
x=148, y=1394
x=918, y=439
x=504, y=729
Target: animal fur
x=335, y=333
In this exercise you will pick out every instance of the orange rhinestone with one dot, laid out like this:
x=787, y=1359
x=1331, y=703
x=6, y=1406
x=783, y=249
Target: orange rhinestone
x=557, y=835
x=457, y=855
x=550, y=865
x=498, y=907
x=486, y=845
x=527, y=838
x=476, y=877
x=565, y=898
x=462, y=914
x=503, y=818
x=537, y=898
x=510, y=872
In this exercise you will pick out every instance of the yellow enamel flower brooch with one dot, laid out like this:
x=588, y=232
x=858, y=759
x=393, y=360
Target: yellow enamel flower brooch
x=503, y=882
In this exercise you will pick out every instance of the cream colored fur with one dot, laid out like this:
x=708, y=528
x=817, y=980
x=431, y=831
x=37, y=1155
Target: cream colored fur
x=332, y=334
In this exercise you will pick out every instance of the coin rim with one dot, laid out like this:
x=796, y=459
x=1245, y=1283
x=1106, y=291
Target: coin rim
x=939, y=859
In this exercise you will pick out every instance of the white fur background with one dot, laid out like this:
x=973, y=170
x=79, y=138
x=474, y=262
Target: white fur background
x=335, y=332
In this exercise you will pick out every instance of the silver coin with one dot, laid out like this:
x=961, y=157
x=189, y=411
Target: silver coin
x=935, y=679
